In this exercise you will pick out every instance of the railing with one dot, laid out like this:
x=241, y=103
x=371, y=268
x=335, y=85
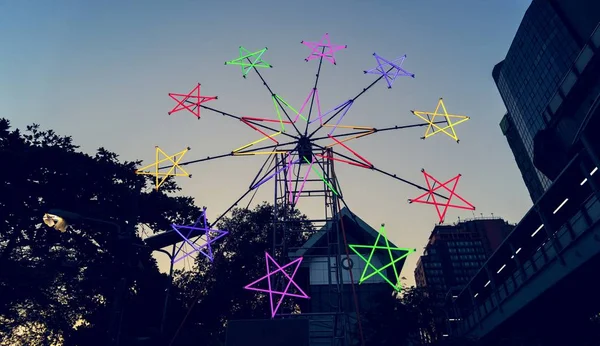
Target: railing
x=546, y=254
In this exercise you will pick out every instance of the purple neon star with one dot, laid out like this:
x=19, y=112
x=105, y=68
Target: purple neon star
x=390, y=69
x=323, y=48
x=270, y=291
x=210, y=238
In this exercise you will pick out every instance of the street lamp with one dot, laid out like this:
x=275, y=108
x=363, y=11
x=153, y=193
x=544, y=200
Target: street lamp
x=60, y=220
x=56, y=222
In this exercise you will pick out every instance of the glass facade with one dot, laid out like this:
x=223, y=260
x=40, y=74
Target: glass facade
x=524, y=163
x=541, y=53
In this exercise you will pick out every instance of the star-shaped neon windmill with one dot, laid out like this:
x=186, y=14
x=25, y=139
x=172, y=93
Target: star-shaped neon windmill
x=245, y=60
x=434, y=128
x=390, y=70
x=323, y=49
x=190, y=102
x=441, y=207
x=161, y=177
x=270, y=282
x=190, y=232
x=395, y=255
x=292, y=158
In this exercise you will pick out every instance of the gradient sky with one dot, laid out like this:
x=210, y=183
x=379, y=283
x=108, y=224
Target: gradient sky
x=101, y=72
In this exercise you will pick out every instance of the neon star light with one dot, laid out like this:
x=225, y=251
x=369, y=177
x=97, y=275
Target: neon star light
x=390, y=70
x=190, y=102
x=270, y=282
x=245, y=60
x=382, y=243
x=187, y=233
x=323, y=49
x=295, y=149
x=161, y=177
x=434, y=128
x=441, y=207
x=280, y=105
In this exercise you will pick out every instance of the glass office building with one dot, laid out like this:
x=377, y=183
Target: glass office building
x=540, y=55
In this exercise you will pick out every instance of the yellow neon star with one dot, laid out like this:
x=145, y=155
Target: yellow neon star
x=429, y=117
x=172, y=172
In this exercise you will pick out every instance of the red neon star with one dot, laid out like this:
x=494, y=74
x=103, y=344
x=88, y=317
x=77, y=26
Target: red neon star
x=324, y=49
x=193, y=105
x=424, y=198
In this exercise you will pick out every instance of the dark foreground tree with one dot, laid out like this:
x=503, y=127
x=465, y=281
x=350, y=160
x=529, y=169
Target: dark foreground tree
x=405, y=318
x=63, y=286
x=216, y=289
x=395, y=319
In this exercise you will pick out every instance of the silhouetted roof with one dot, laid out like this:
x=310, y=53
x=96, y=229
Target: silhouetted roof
x=364, y=233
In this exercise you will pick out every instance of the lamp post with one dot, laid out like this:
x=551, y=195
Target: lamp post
x=61, y=220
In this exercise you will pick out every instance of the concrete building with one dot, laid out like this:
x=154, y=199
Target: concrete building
x=550, y=258
x=551, y=36
x=455, y=253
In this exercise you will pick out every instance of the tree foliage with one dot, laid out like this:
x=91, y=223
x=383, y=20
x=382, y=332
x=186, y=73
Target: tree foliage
x=62, y=287
x=216, y=289
x=51, y=282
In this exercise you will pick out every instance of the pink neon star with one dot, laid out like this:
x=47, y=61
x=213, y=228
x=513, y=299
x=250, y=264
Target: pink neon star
x=323, y=48
x=270, y=291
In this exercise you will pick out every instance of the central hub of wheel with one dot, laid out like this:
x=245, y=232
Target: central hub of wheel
x=304, y=150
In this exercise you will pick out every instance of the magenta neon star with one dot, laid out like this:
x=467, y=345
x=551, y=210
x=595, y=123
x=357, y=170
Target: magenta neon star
x=390, y=69
x=204, y=249
x=323, y=48
x=270, y=291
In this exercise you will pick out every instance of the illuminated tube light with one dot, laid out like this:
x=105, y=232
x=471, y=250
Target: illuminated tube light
x=499, y=270
x=323, y=49
x=487, y=283
x=476, y=294
x=538, y=229
x=395, y=64
x=591, y=173
x=516, y=252
x=445, y=335
x=245, y=62
x=279, y=295
x=560, y=206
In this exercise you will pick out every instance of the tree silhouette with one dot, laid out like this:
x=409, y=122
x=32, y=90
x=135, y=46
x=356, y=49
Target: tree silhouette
x=216, y=289
x=405, y=318
x=62, y=286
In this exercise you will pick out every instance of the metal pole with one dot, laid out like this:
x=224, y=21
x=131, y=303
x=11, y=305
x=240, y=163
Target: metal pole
x=168, y=291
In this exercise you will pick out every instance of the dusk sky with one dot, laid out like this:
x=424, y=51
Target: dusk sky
x=102, y=71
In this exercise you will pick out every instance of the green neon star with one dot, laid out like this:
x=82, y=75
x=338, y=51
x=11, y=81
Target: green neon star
x=402, y=252
x=246, y=62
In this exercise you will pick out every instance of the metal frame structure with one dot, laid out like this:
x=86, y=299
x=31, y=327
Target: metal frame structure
x=303, y=151
x=333, y=325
